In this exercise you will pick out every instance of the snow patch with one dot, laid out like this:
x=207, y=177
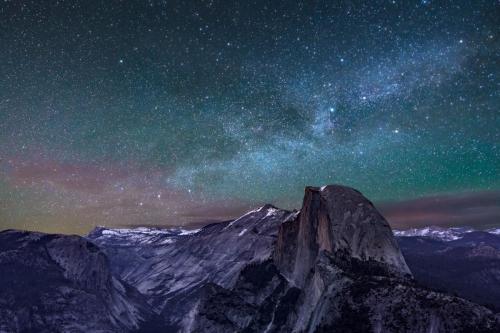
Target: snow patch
x=271, y=212
x=444, y=234
x=239, y=218
x=184, y=232
x=494, y=231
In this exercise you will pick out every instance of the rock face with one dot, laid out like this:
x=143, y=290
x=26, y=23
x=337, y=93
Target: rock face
x=55, y=283
x=332, y=267
x=336, y=219
x=174, y=277
x=129, y=248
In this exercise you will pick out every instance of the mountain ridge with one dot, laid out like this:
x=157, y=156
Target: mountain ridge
x=332, y=266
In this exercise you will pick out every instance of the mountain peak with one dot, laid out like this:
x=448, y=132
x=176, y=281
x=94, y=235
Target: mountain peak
x=336, y=218
x=335, y=195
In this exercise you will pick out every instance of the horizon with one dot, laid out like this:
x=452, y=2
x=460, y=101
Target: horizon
x=478, y=210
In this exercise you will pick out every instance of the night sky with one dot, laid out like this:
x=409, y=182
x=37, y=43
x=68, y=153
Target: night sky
x=176, y=112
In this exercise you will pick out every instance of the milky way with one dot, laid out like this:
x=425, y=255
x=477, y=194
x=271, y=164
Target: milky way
x=164, y=112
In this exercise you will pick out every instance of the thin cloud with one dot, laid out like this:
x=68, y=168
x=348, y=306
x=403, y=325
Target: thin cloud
x=476, y=209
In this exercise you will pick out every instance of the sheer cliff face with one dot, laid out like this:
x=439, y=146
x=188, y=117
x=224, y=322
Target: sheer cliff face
x=335, y=219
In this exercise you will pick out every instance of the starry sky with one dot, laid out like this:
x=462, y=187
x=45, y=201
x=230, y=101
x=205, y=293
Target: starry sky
x=181, y=112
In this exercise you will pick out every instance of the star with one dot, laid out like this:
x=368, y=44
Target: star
x=234, y=107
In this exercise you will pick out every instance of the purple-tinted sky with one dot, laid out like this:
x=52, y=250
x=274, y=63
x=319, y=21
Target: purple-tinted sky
x=480, y=210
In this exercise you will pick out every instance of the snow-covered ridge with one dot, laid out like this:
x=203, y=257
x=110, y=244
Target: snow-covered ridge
x=139, y=235
x=149, y=231
x=269, y=209
x=154, y=236
x=495, y=231
x=139, y=230
x=444, y=234
x=150, y=235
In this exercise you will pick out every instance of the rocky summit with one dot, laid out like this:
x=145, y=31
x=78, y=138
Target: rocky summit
x=336, y=220
x=56, y=283
x=333, y=266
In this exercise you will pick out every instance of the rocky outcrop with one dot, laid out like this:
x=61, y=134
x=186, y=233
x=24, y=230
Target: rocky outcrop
x=174, y=278
x=260, y=301
x=336, y=219
x=56, y=283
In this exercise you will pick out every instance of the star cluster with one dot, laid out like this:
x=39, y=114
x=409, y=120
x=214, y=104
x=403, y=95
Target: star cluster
x=174, y=112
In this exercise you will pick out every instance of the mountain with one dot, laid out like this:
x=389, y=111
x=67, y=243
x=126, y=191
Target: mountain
x=333, y=266
x=57, y=283
x=440, y=233
x=444, y=234
x=467, y=264
x=336, y=219
x=173, y=277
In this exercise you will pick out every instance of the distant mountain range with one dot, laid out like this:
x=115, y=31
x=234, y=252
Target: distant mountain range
x=461, y=261
x=444, y=234
x=333, y=266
